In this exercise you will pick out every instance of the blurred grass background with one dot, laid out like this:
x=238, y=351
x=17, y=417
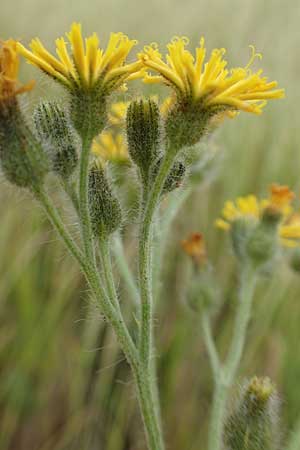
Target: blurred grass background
x=64, y=384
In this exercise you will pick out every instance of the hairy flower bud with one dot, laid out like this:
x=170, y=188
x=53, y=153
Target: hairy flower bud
x=253, y=425
x=240, y=231
x=203, y=293
x=105, y=210
x=175, y=177
x=263, y=242
x=255, y=241
x=22, y=160
x=143, y=134
x=58, y=137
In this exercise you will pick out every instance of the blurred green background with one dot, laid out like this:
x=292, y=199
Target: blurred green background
x=64, y=384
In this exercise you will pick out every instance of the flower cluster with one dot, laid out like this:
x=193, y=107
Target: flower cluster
x=91, y=73
x=251, y=209
x=73, y=140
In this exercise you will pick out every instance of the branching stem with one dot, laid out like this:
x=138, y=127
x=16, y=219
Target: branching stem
x=225, y=374
x=114, y=317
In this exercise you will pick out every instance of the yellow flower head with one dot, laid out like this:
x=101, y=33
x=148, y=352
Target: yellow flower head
x=209, y=83
x=9, y=69
x=252, y=209
x=110, y=147
x=194, y=246
x=86, y=65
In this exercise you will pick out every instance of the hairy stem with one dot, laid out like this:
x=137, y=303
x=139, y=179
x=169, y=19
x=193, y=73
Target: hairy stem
x=149, y=411
x=110, y=312
x=114, y=317
x=145, y=381
x=57, y=223
x=87, y=235
x=104, y=248
x=161, y=235
x=145, y=255
x=227, y=373
x=210, y=345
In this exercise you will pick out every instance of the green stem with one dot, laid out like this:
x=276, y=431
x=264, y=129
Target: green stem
x=56, y=221
x=149, y=412
x=248, y=282
x=114, y=317
x=215, y=437
x=175, y=201
x=210, y=345
x=145, y=379
x=227, y=373
x=145, y=255
x=110, y=312
x=87, y=235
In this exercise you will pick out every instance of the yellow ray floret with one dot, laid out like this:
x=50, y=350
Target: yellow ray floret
x=85, y=63
x=209, y=82
x=110, y=147
x=252, y=209
x=9, y=69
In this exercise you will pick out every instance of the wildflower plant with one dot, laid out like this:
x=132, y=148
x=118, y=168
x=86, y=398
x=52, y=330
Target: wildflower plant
x=79, y=141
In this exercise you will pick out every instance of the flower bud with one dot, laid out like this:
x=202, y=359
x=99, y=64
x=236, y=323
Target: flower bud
x=240, y=231
x=263, y=242
x=203, y=293
x=253, y=425
x=253, y=241
x=22, y=160
x=175, y=177
x=105, y=209
x=58, y=137
x=143, y=134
